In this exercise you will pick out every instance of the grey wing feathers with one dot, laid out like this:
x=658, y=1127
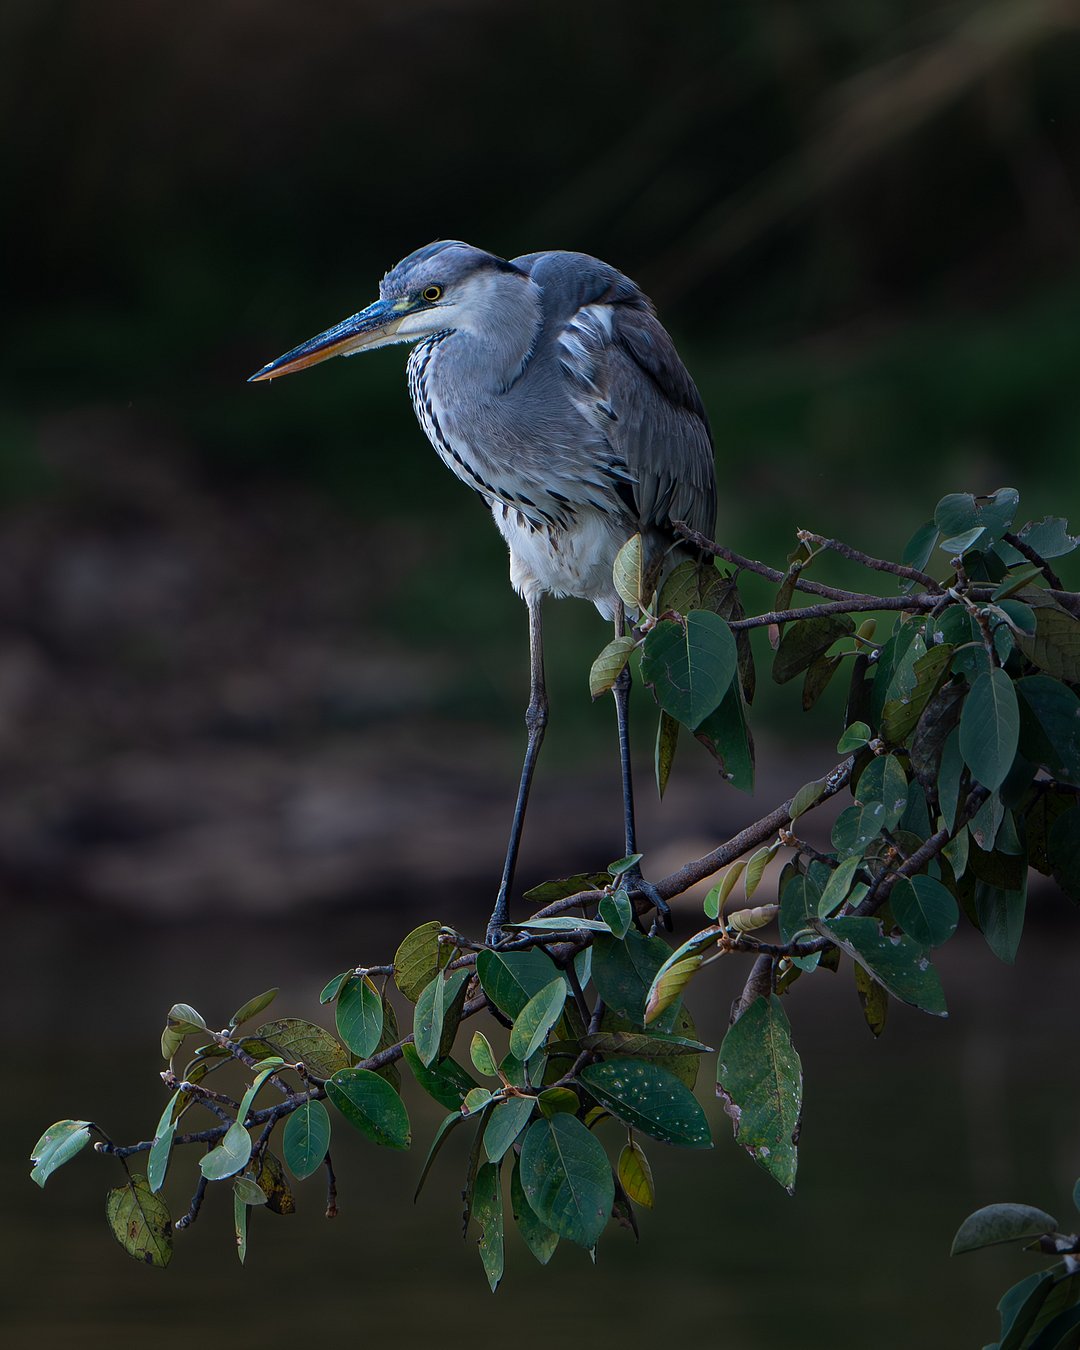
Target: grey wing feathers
x=628, y=380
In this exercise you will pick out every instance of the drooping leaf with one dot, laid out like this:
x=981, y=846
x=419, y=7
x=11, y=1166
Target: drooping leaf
x=438, y=1011
x=883, y=780
x=726, y=736
x=856, y=736
x=566, y=1178
x=609, y=665
x=668, y=985
x=647, y=1097
x=419, y=958
x=140, y=1222
x=900, y=715
x=539, y=1238
x=748, y=920
x=635, y=1175
x=360, y=1015
x=901, y=965
x=504, y=1124
x=1019, y=1307
x=240, y=1225
x=990, y=728
x=1001, y=912
x=482, y=1055
x=1063, y=852
x=872, y=999
x=274, y=1184
x=856, y=826
x=805, y=798
x=157, y=1161
x=487, y=1212
x=667, y=742
x=248, y=1191
x=629, y=574
x=306, y=1138
x=298, y=1041
x=58, y=1145
x=690, y=665
x=1001, y=1223
x=800, y=902
x=807, y=640
x=759, y=1079
x=1050, y=725
x=229, y=1156
x=510, y=979
x=449, y=1122
x=371, y=1105
x=266, y=1068
x=925, y=910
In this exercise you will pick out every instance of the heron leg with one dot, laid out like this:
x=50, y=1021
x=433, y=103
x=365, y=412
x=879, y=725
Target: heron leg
x=536, y=716
x=621, y=690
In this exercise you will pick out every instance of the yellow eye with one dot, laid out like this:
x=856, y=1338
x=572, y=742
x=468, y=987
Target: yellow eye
x=432, y=293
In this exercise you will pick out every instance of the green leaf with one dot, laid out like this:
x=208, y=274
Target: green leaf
x=157, y=1162
x=1050, y=725
x=304, y=1042
x=229, y=1156
x=949, y=778
x=1001, y=912
x=562, y=923
x=453, y=1119
x=274, y=1184
x=726, y=736
x=510, y=979
x=925, y=910
x=240, y=1226
x=856, y=736
x=838, y=885
x=623, y=973
x=58, y=1145
x=536, y=1019
x=505, y=1123
x=140, y=1222
x=538, y=1237
x=248, y=1191
x=1001, y=1223
x=856, y=826
x=800, y=901
x=306, y=1138
x=649, y=1098
x=900, y=965
x=635, y=1175
x=332, y=987
x=360, y=1015
x=805, y=798
x=182, y=1021
x=438, y=1011
x=555, y=1099
x=1049, y=537
x=804, y=641
x=482, y=1055
x=755, y=868
x=638, y=1045
x=990, y=728
x=617, y=912
x=419, y=959
x=623, y=865
x=900, y=715
x=667, y=742
x=251, y=1007
x=566, y=1178
x=919, y=549
x=1019, y=1307
x=371, y=1105
x=265, y=1070
x=690, y=665
x=961, y=512
x=446, y=1081
x=759, y=1078
x=609, y=665
x=668, y=985
x=818, y=675
x=476, y=1099
x=487, y=1211
x=1060, y=1334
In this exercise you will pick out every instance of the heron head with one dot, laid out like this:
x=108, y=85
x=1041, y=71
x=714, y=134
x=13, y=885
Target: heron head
x=437, y=289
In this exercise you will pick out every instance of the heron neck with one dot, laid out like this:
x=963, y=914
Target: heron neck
x=500, y=329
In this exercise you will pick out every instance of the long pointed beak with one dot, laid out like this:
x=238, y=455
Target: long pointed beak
x=372, y=327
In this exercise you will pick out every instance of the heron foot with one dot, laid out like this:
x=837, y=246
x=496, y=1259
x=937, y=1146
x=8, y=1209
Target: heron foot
x=638, y=887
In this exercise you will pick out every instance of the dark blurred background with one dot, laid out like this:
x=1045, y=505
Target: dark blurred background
x=259, y=657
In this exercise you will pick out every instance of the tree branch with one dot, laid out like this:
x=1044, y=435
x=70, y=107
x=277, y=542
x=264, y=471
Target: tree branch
x=876, y=564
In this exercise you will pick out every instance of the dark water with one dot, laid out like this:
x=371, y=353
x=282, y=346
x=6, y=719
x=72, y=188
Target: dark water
x=901, y=1139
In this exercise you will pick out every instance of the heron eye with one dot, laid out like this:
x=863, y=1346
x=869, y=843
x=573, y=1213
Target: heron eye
x=432, y=293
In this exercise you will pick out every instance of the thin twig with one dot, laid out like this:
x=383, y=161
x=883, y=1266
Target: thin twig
x=876, y=564
x=855, y=604
x=186, y=1220
x=331, y=1188
x=707, y=545
x=1023, y=547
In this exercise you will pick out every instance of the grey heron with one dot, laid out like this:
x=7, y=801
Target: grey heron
x=548, y=385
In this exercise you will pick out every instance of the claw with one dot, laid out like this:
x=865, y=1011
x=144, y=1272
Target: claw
x=635, y=885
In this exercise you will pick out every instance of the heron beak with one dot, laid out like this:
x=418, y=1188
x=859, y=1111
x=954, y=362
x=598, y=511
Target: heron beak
x=375, y=326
